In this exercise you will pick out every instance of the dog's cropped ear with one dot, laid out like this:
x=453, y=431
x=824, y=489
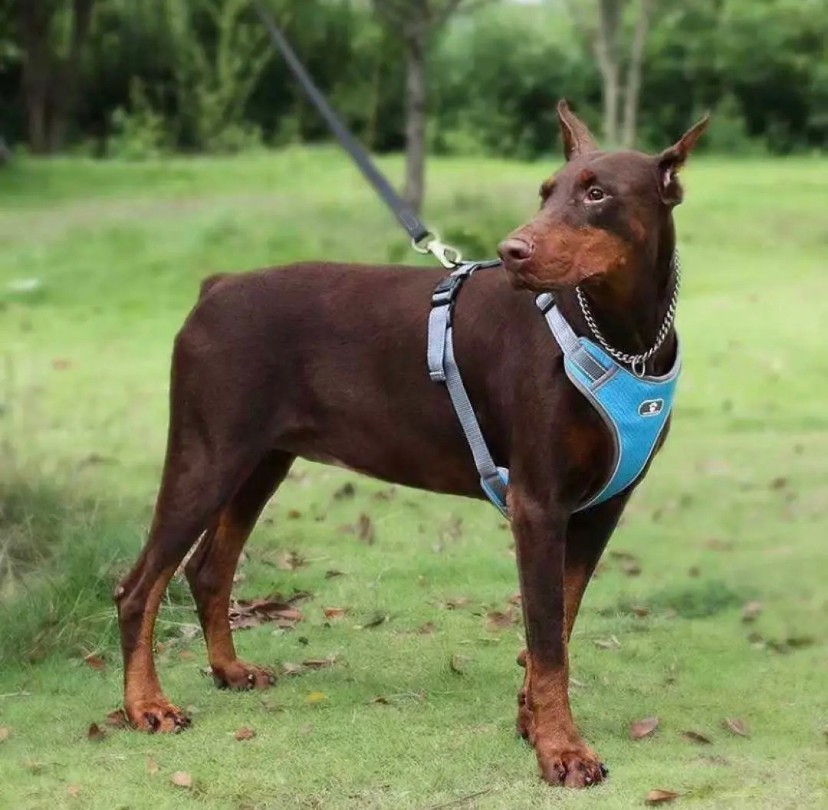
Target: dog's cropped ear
x=670, y=161
x=576, y=137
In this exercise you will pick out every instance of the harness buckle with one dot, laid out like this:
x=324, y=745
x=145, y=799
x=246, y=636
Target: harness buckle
x=445, y=292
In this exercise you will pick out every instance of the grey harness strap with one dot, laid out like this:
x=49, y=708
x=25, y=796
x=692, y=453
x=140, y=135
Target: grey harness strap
x=442, y=367
x=572, y=348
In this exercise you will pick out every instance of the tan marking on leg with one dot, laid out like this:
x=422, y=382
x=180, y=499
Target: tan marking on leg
x=144, y=702
x=211, y=580
x=575, y=583
x=563, y=757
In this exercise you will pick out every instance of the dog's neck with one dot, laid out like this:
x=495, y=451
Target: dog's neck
x=630, y=319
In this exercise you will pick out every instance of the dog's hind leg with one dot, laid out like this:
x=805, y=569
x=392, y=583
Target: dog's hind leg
x=211, y=449
x=211, y=568
x=191, y=495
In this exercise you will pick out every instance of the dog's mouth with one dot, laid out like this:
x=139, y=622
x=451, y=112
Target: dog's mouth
x=549, y=279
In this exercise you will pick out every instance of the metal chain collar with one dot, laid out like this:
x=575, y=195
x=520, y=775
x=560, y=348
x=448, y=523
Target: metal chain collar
x=636, y=362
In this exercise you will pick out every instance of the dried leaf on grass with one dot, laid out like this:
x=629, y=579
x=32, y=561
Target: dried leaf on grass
x=332, y=573
x=319, y=663
x=289, y=668
x=751, y=611
x=316, y=697
x=375, y=621
x=643, y=728
x=244, y=733
x=451, y=530
x=660, y=797
x=426, y=629
x=95, y=662
x=333, y=612
x=152, y=766
x=696, y=737
x=717, y=544
x=365, y=529
x=627, y=562
x=346, y=491
x=245, y=613
x=73, y=790
x=95, y=733
x=735, y=726
x=182, y=779
x=500, y=620
x=455, y=602
x=611, y=643
x=290, y=561
x=457, y=664
x=5, y=733
x=117, y=719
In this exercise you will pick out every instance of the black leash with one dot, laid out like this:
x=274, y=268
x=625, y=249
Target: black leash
x=422, y=239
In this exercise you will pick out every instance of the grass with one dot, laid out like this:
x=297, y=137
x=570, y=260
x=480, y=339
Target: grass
x=735, y=511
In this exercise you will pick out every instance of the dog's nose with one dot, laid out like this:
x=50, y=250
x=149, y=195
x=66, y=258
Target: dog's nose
x=515, y=252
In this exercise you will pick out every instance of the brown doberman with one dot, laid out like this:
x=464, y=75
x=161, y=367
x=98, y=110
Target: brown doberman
x=327, y=362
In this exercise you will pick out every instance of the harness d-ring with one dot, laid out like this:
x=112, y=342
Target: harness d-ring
x=639, y=367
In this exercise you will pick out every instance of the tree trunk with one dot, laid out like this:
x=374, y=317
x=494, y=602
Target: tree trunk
x=633, y=88
x=608, y=56
x=35, y=21
x=66, y=98
x=415, y=128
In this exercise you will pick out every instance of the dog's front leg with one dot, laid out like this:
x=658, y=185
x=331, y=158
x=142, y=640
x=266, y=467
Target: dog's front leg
x=540, y=527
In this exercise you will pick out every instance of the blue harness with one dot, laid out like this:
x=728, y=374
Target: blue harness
x=634, y=409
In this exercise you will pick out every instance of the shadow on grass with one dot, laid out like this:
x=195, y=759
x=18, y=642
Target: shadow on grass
x=701, y=600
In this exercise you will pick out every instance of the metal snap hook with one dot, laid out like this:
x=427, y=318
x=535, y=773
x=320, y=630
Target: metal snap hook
x=447, y=255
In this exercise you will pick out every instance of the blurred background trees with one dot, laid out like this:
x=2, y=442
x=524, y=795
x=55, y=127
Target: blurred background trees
x=133, y=78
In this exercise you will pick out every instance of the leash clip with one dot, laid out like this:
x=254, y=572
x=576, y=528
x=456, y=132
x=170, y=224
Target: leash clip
x=447, y=255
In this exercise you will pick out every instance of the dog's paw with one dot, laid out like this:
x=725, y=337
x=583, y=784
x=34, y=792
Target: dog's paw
x=156, y=716
x=238, y=675
x=570, y=766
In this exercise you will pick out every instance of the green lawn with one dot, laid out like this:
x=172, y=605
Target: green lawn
x=735, y=511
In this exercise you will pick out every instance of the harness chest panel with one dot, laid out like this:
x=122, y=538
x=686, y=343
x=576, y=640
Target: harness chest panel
x=634, y=409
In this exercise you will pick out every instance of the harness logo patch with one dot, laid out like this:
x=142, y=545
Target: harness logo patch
x=650, y=407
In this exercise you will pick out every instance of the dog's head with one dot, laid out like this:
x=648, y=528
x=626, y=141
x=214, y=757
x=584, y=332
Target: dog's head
x=601, y=216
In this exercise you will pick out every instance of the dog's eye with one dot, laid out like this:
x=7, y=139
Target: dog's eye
x=596, y=194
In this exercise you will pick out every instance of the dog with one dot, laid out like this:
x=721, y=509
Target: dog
x=326, y=362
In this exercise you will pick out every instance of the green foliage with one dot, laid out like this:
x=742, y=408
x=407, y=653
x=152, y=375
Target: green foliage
x=494, y=75
x=220, y=57
x=138, y=133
